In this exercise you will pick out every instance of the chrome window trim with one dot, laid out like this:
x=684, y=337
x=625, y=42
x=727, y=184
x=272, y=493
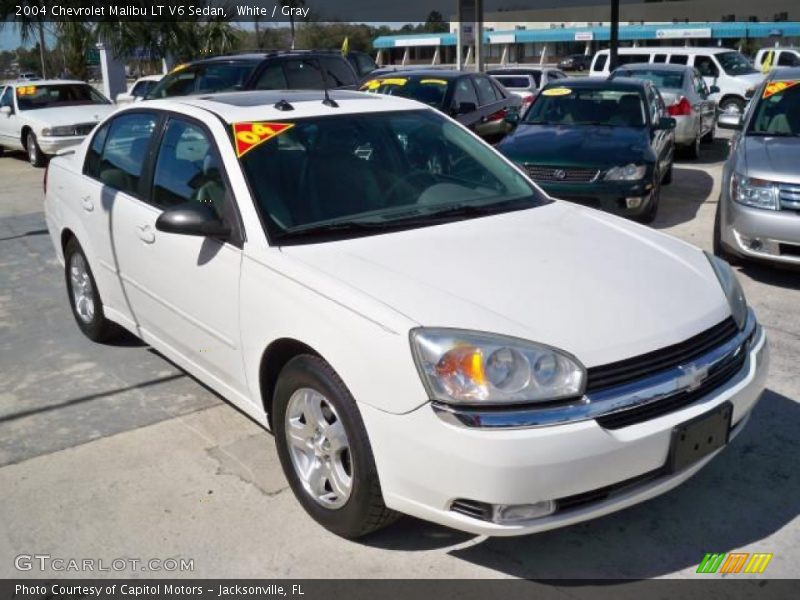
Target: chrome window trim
x=610, y=400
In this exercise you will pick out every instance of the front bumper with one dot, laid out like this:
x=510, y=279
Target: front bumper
x=606, y=195
x=426, y=462
x=53, y=144
x=772, y=235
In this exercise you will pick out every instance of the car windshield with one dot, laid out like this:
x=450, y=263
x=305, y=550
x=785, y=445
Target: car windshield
x=428, y=90
x=735, y=63
x=33, y=97
x=203, y=79
x=359, y=174
x=562, y=105
x=661, y=78
x=778, y=110
x=517, y=81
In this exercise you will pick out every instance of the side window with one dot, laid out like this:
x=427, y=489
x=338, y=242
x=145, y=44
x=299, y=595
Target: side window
x=95, y=153
x=338, y=71
x=7, y=99
x=788, y=59
x=600, y=62
x=365, y=64
x=660, y=58
x=679, y=59
x=700, y=85
x=303, y=74
x=125, y=150
x=464, y=93
x=272, y=78
x=140, y=89
x=188, y=169
x=486, y=93
x=626, y=59
x=706, y=66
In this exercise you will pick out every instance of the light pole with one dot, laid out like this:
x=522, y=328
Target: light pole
x=612, y=52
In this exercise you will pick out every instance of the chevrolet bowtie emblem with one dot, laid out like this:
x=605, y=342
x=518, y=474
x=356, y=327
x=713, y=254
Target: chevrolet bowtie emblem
x=691, y=377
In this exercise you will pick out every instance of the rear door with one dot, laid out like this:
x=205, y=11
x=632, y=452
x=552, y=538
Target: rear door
x=492, y=106
x=705, y=105
x=464, y=94
x=662, y=139
x=184, y=290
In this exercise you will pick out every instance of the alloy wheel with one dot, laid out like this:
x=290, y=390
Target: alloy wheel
x=81, y=288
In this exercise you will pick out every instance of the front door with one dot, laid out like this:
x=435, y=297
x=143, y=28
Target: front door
x=184, y=290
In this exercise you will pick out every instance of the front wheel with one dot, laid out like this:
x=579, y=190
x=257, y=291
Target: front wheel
x=693, y=150
x=652, y=210
x=718, y=245
x=324, y=449
x=35, y=156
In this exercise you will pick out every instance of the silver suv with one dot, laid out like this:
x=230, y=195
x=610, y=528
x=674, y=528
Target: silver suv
x=758, y=215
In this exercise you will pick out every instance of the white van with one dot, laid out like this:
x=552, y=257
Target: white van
x=727, y=69
x=777, y=57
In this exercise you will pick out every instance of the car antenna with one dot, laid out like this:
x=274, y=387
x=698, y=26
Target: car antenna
x=327, y=101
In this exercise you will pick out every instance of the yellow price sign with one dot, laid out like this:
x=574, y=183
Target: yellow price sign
x=559, y=91
x=249, y=135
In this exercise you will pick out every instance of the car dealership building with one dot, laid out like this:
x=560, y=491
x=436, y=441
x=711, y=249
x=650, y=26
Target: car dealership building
x=542, y=35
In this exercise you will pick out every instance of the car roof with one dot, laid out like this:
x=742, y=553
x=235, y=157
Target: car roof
x=671, y=49
x=622, y=83
x=659, y=66
x=437, y=73
x=259, y=105
x=259, y=56
x=519, y=70
x=39, y=82
x=784, y=73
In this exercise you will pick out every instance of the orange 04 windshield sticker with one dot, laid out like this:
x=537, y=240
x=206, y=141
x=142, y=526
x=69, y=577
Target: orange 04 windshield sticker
x=776, y=87
x=249, y=135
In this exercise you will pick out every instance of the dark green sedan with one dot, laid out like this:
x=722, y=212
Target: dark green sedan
x=606, y=144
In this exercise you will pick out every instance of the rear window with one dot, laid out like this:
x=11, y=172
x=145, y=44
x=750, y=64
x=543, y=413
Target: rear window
x=627, y=59
x=203, y=79
x=562, y=105
x=517, y=81
x=600, y=62
x=661, y=79
x=303, y=74
x=338, y=71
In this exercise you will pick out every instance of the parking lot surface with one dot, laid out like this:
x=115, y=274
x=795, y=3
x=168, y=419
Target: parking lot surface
x=110, y=451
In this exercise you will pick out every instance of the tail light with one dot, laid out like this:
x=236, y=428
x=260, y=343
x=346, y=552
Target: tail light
x=496, y=116
x=681, y=108
x=527, y=100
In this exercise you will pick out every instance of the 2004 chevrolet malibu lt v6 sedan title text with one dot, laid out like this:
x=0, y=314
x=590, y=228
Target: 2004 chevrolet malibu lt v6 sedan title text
x=424, y=330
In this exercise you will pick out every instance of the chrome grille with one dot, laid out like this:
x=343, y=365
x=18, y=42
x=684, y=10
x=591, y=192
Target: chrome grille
x=561, y=174
x=789, y=195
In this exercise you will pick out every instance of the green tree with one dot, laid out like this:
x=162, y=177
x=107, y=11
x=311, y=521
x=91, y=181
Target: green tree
x=75, y=39
x=29, y=27
x=435, y=23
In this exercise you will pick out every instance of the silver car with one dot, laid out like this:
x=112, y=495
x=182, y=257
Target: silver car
x=526, y=82
x=758, y=214
x=687, y=98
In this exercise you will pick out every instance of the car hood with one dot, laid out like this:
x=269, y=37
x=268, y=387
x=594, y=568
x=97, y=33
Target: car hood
x=772, y=158
x=578, y=279
x=583, y=146
x=68, y=115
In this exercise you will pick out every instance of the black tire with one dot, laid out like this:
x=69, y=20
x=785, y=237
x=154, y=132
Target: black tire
x=731, y=104
x=667, y=179
x=652, y=209
x=364, y=511
x=693, y=149
x=97, y=328
x=35, y=156
x=2, y=151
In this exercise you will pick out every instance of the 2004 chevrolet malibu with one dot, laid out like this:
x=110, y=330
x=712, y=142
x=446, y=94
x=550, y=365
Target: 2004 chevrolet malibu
x=424, y=330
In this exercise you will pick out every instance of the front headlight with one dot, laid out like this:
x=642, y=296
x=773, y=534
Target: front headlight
x=468, y=367
x=758, y=193
x=60, y=130
x=732, y=288
x=629, y=172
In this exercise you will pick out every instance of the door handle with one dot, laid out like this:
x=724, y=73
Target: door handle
x=146, y=234
x=87, y=204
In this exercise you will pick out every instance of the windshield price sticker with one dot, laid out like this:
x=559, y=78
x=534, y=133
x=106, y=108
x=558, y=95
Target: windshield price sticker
x=778, y=87
x=561, y=91
x=374, y=84
x=249, y=135
x=26, y=90
x=434, y=81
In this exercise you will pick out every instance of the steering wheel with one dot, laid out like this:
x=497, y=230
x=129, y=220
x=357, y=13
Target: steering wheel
x=406, y=183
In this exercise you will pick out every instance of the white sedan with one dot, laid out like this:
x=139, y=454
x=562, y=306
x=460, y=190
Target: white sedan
x=424, y=330
x=43, y=117
x=138, y=89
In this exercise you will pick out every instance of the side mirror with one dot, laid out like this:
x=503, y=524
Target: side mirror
x=749, y=93
x=5, y=110
x=512, y=118
x=728, y=120
x=465, y=108
x=192, y=218
x=714, y=89
x=667, y=123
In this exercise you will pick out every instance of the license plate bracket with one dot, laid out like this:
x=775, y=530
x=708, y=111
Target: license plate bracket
x=694, y=440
